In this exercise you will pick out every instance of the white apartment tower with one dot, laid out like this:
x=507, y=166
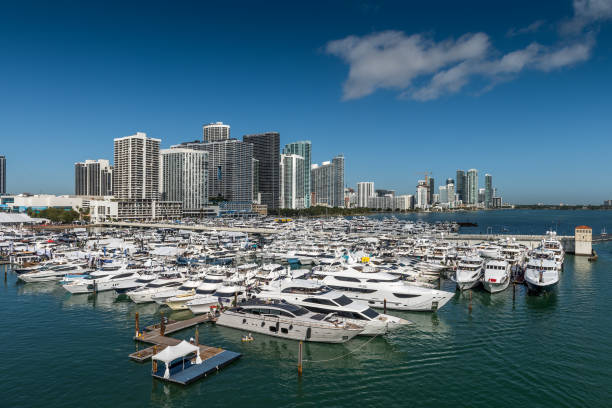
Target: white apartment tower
x=184, y=174
x=365, y=190
x=472, y=186
x=292, y=168
x=136, y=170
x=422, y=194
x=216, y=132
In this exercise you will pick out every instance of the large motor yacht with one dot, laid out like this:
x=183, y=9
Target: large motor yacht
x=282, y=319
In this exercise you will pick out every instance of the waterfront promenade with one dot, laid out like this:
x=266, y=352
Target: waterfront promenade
x=262, y=231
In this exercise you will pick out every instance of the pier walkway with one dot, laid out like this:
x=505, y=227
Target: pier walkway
x=261, y=231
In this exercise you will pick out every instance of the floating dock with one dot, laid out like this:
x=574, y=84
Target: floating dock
x=196, y=371
x=213, y=358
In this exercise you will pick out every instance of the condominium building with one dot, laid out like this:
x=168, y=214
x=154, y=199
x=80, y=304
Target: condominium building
x=327, y=183
x=431, y=191
x=230, y=169
x=422, y=194
x=266, y=149
x=136, y=171
x=472, y=186
x=365, y=190
x=304, y=149
x=292, y=167
x=183, y=178
x=443, y=194
x=215, y=132
x=93, y=178
x=460, y=186
x=2, y=175
x=488, y=198
x=450, y=193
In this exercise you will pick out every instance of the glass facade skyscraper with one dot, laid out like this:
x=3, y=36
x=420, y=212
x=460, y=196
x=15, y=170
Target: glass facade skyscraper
x=304, y=149
x=472, y=186
x=266, y=149
x=460, y=186
x=2, y=175
x=488, y=199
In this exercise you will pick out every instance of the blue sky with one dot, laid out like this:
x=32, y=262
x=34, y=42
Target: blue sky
x=518, y=89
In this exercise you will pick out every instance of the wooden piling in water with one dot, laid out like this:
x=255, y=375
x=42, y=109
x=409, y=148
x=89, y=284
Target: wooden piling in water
x=137, y=324
x=385, y=306
x=300, y=350
x=197, y=337
x=162, y=325
x=470, y=305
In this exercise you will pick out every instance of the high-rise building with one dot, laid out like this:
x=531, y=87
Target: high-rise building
x=450, y=193
x=422, y=194
x=136, y=171
x=488, y=199
x=450, y=181
x=2, y=175
x=215, y=132
x=255, y=182
x=266, y=149
x=327, y=183
x=304, y=149
x=292, y=167
x=472, y=186
x=432, y=190
x=93, y=178
x=460, y=186
x=481, y=196
x=183, y=178
x=443, y=193
x=365, y=190
x=230, y=169
x=338, y=181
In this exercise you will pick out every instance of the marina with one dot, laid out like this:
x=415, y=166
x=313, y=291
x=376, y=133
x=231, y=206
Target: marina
x=254, y=273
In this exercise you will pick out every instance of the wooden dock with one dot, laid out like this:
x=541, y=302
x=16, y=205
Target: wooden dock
x=213, y=358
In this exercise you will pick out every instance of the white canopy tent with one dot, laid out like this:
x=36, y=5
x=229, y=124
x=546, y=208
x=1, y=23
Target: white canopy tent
x=171, y=353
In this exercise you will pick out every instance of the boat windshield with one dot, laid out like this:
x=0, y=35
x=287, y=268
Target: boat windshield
x=371, y=313
x=343, y=300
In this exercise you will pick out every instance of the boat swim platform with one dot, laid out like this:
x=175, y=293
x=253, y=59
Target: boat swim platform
x=194, y=372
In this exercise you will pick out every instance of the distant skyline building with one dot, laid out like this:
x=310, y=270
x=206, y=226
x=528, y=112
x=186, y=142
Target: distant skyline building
x=304, y=149
x=488, y=199
x=183, y=178
x=266, y=149
x=136, y=167
x=230, y=169
x=450, y=181
x=422, y=194
x=215, y=132
x=365, y=190
x=2, y=175
x=461, y=185
x=450, y=193
x=93, y=178
x=481, y=196
x=292, y=167
x=432, y=190
x=443, y=194
x=472, y=186
x=327, y=183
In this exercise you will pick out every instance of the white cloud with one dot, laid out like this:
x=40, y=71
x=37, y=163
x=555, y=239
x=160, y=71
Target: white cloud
x=531, y=28
x=423, y=69
x=586, y=13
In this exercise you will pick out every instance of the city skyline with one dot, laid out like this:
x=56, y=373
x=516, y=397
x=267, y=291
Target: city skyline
x=101, y=82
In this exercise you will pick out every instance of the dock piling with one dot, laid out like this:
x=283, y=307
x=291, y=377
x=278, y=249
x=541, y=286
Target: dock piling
x=162, y=325
x=385, y=306
x=470, y=304
x=300, y=350
x=197, y=336
x=137, y=324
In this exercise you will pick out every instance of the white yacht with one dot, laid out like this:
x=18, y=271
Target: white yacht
x=379, y=288
x=202, y=304
x=468, y=273
x=496, y=275
x=167, y=280
x=187, y=288
x=55, y=272
x=541, y=274
x=100, y=283
x=552, y=244
x=282, y=319
x=321, y=299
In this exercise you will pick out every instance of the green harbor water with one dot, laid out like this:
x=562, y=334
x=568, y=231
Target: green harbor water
x=511, y=350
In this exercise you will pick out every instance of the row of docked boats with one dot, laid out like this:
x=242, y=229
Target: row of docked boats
x=541, y=267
